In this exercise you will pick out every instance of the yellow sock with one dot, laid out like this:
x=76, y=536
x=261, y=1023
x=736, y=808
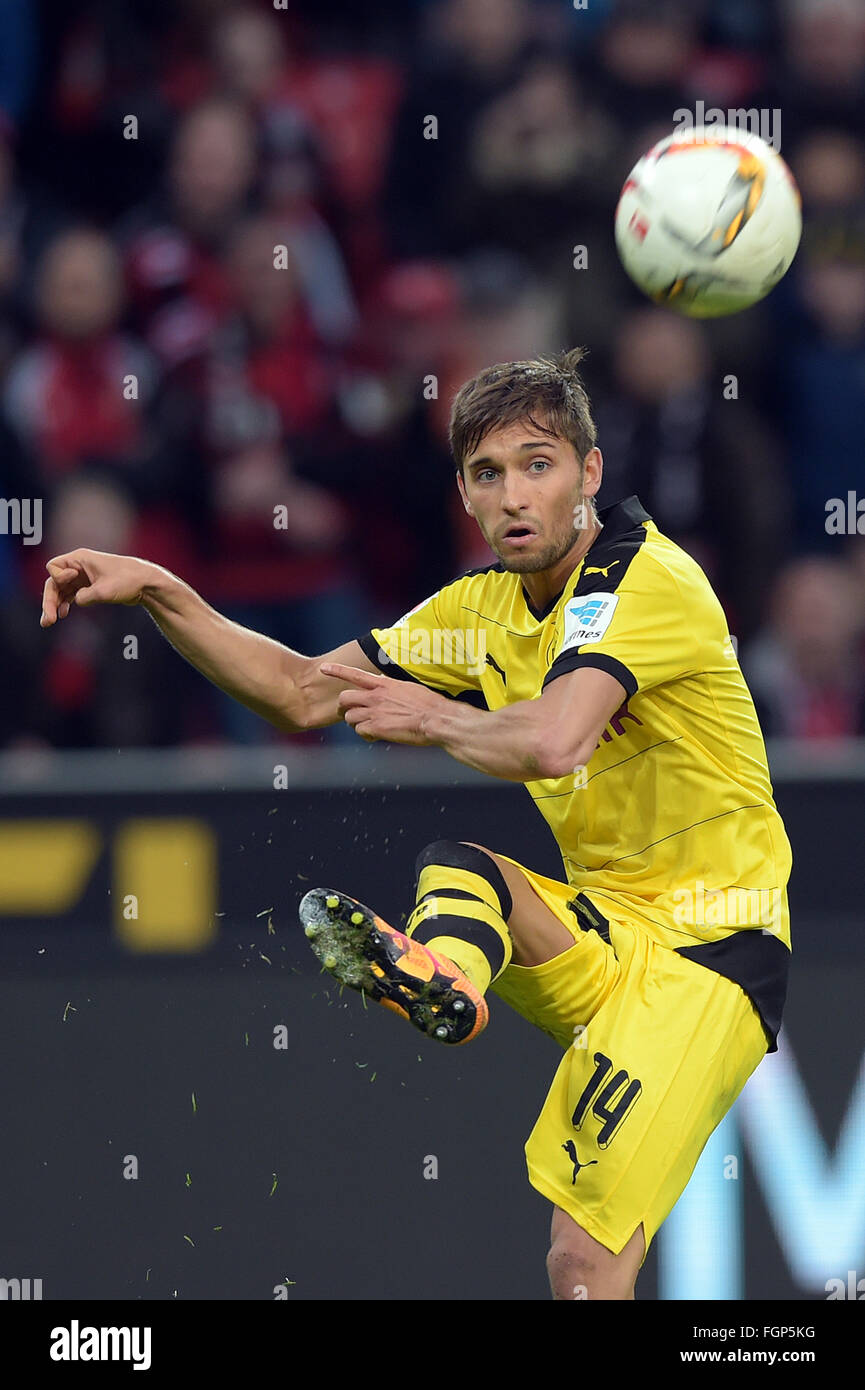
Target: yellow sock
x=462, y=909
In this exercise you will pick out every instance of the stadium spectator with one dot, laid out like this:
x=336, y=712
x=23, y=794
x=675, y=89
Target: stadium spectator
x=475, y=52
x=252, y=66
x=821, y=373
x=830, y=171
x=95, y=686
x=821, y=78
x=701, y=460
x=78, y=395
x=806, y=668
x=174, y=244
x=644, y=57
x=324, y=122
x=254, y=410
x=393, y=401
x=538, y=168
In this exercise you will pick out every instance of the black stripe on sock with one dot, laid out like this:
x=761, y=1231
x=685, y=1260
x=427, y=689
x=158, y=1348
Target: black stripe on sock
x=453, y=854
x=460, y=893
x=479, y=934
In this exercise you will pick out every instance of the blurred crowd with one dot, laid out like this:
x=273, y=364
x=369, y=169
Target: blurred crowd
x=424, y=170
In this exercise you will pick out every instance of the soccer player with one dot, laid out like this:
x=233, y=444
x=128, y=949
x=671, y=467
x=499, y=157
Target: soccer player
x=593, y=664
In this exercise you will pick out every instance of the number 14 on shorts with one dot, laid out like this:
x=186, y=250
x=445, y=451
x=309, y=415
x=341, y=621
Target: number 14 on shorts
x=610, y=1098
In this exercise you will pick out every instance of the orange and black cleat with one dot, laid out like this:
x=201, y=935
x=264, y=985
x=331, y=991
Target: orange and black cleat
x=362, y=951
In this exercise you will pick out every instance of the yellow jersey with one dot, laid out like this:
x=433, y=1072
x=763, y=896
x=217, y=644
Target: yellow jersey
x=672, y=820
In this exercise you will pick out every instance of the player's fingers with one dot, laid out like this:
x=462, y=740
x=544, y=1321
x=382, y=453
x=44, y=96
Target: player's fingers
x=360, y=721
x=55, y=602
x=68, y=575
x=364, y=731
x=64, y=575
x=72, y=559
x=49, y=603
x=349, y=699
x=89, y=594
x=366, y=680
x=62, y=569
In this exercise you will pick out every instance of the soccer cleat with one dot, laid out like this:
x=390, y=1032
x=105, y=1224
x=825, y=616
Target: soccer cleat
x=362, y=951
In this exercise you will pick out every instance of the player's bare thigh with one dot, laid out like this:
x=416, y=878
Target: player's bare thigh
x=579, y=1267
x=536, y=932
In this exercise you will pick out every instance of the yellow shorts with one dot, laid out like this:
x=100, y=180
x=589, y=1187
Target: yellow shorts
x=657, y=1048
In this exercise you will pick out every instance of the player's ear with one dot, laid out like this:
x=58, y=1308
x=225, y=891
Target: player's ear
x=462, y=491
x=593, y=471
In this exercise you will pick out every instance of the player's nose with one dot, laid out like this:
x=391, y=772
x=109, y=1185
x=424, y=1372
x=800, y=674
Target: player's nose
x=515, y=498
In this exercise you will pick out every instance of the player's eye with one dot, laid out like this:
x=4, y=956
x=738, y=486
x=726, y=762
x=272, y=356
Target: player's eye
x=545, y=462
x=485, y=473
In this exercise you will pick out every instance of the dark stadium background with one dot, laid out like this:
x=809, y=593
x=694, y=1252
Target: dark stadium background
x=152, y=154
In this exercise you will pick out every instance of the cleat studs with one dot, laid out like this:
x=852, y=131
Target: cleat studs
x=329, y=962
x=442, y=1031
x=356, y=918
x=311, y=930
x=459, y=1005
x=332, y=901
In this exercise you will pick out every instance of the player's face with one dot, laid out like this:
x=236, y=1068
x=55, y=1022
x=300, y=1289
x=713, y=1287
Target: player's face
x=527, y=491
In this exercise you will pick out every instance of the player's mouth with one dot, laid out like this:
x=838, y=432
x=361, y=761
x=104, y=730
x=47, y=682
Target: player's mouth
x=518, y=536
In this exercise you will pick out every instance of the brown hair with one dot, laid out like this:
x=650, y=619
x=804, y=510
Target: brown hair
x=547, y=392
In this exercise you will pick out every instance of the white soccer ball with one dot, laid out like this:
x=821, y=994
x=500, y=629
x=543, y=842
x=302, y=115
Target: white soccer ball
x=708, y=221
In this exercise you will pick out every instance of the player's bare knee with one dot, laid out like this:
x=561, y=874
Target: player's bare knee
x=570, y=1270
x=578, y=1269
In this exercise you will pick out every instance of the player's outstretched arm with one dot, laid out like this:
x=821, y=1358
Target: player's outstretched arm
x=284, y=687
x=549, y=737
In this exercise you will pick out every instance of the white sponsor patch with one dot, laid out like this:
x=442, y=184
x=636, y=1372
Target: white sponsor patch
x=587, y=619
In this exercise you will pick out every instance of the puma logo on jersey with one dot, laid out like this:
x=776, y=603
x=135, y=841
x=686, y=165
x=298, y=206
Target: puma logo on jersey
x=491, y=661
x=600, y=570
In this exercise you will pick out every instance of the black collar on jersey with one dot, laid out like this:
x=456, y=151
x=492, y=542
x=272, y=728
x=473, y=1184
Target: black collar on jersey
x=616, y=520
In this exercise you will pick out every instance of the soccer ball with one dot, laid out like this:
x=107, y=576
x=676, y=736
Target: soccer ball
x=708, y=221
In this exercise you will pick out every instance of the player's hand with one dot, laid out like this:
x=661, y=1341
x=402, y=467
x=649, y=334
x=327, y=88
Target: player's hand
x=85, y=577
x=379, y=707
